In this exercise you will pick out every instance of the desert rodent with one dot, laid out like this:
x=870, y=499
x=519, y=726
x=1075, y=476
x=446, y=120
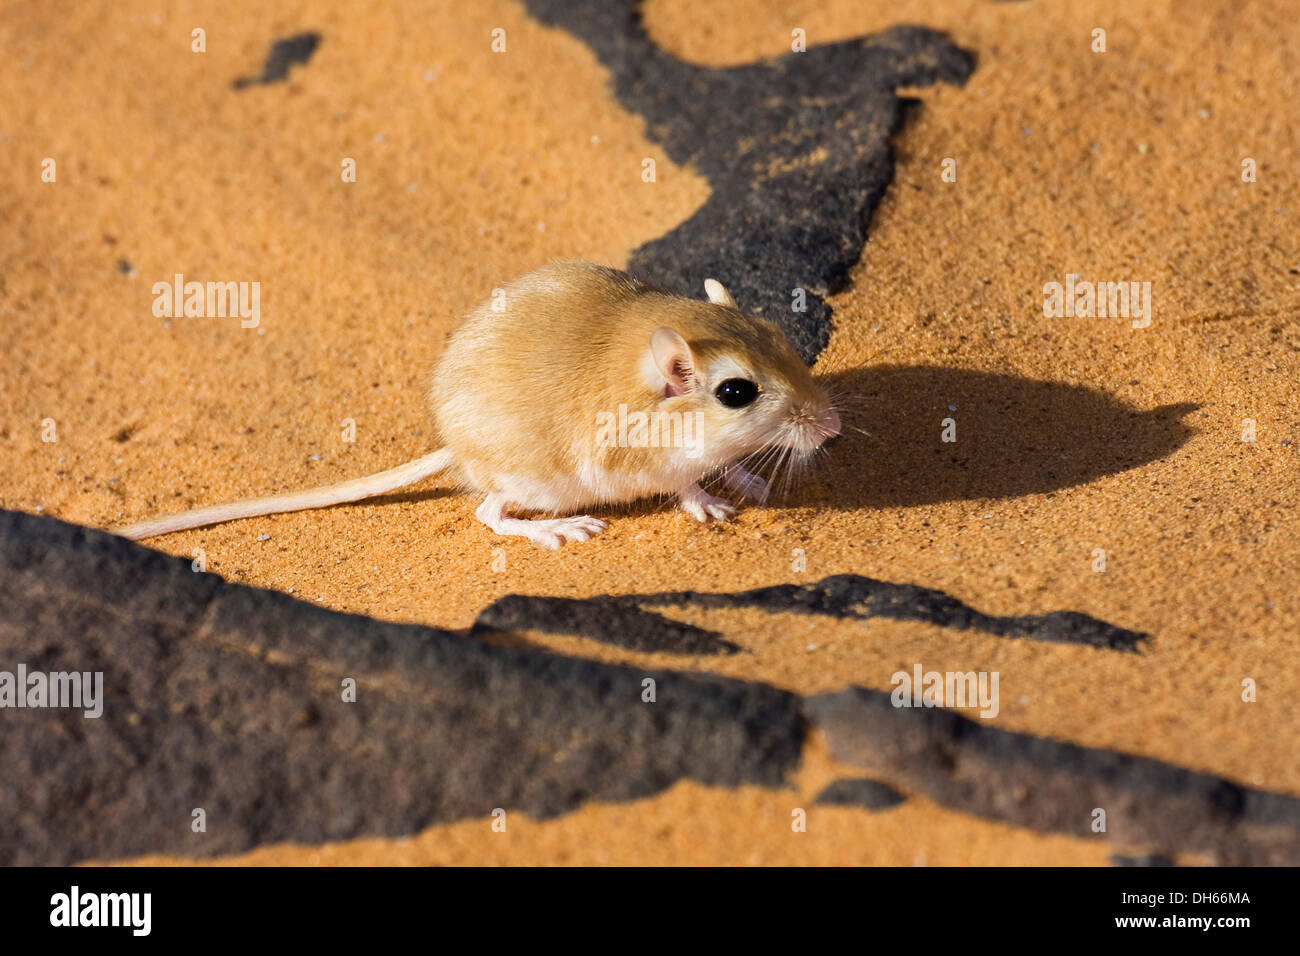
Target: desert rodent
x=577, y=386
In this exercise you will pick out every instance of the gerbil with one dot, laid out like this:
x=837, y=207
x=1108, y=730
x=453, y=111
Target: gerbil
x=582, y=386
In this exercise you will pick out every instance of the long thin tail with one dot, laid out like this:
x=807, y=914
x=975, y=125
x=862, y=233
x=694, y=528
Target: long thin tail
x=353, y=490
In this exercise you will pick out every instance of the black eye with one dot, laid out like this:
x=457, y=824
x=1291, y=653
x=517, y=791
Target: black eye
x=736, y=392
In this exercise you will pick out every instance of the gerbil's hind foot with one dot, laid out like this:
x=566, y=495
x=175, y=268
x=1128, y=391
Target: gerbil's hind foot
x=549, y=533
x=702, y=506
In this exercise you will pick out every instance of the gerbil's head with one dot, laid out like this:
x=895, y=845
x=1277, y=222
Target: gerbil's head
x=739, y=375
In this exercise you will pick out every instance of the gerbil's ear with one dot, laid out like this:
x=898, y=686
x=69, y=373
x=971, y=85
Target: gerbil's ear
x=673, y=359
x=718, y=293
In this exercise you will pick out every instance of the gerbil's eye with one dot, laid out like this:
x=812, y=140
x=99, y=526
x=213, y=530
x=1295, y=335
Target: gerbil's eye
x=736, y=392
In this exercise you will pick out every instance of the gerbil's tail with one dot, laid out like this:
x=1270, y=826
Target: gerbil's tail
x=353, y=490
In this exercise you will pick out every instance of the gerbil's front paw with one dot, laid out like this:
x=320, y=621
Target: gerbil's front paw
x=702, y=506
x=746, y=484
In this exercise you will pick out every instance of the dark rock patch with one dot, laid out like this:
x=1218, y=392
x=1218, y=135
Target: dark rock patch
x=228, y=698
x=611, y=620
x=796, y=148
x=1048, y=785
x=869, y=794
x=297, y=49
x=855, y=597
x=623, y=621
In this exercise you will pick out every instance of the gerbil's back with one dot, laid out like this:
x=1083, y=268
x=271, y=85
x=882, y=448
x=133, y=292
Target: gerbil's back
x=521, y=373
x=558, y=305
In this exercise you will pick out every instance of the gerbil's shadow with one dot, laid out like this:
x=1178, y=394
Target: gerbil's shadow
x=1014, y=436
x=398, y=497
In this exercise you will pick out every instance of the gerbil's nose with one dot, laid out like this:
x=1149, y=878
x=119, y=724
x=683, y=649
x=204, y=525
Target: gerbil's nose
x=831, y=423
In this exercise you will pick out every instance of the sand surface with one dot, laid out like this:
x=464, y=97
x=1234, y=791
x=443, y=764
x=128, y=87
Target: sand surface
x=473, y=168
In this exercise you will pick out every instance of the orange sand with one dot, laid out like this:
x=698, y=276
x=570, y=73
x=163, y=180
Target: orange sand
x=474, y=168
